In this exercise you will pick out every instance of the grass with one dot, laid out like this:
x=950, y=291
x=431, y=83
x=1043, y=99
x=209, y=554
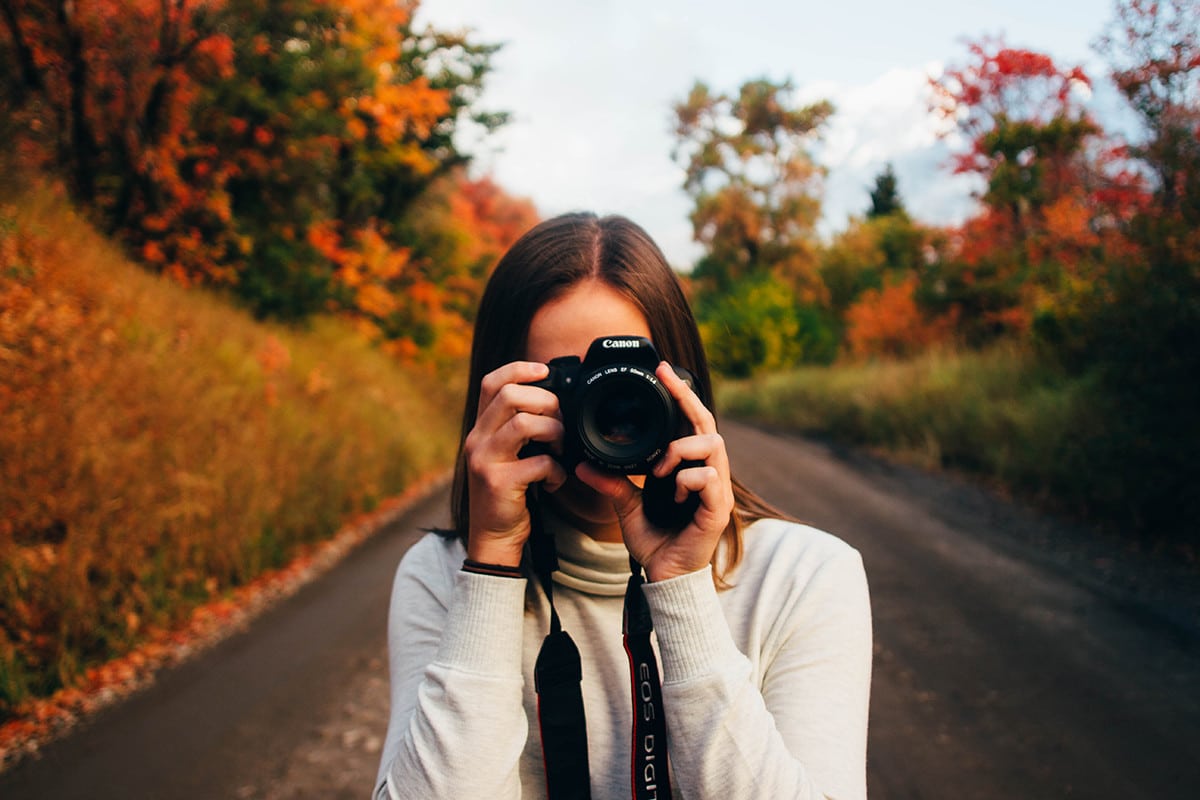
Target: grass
x=159, y=446
x=999, y=414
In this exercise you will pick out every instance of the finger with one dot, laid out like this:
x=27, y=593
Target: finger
x=511, y=399
x=514, y=372
x=547, y=470
x=517, y=476
x=693, y=408
x=708, y=448
x=705, y=481
x=626, y=498
x=521, y=429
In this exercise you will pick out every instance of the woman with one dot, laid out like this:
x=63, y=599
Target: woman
x=762, y=626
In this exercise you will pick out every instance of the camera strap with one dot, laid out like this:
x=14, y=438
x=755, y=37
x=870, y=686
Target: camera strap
x=649, y=762
x=558, y=674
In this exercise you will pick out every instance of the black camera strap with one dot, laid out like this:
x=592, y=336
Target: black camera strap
x=649, y=762
x=558, y=674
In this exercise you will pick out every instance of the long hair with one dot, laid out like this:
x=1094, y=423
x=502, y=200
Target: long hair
x=543, y=265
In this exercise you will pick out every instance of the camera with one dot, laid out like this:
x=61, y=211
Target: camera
x=619, y=417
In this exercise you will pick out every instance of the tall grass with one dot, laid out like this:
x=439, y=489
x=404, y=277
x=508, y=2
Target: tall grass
x=1000, y=413
x=158, y=446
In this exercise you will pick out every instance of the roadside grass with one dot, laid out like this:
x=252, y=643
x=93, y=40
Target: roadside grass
x=159, y=447
x=1000, y=414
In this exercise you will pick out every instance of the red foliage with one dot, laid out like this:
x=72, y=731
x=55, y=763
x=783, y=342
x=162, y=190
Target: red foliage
x=1003, y=83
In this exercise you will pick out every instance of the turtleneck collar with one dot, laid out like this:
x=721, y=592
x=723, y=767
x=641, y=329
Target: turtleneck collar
x=584, y=564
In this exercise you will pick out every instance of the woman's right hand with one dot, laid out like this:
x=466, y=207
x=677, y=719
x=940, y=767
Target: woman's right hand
x=510, y=416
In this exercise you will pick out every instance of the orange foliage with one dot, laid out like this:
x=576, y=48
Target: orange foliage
x=158, y=448
x=139, y=106
x=888, y=322
x=490, y=218
x=35, y=722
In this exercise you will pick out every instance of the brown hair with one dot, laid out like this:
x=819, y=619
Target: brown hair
x=541, y=266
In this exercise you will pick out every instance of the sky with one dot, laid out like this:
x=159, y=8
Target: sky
x=590, y=85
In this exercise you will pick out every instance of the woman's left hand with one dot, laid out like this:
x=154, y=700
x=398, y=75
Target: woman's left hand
x=666, y=554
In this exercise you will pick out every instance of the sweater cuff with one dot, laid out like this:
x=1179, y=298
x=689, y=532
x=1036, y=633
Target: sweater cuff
x=693, y=637
x=484, y=627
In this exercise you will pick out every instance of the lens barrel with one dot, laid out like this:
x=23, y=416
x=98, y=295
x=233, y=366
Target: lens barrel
x=625, y=418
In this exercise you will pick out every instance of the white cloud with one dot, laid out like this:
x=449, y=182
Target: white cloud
x=886, y=120
x=590, y=86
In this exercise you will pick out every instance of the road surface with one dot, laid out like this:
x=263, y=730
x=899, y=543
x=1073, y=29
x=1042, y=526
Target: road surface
x=1014, y=657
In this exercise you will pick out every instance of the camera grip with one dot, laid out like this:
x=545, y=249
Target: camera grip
x=658, y=500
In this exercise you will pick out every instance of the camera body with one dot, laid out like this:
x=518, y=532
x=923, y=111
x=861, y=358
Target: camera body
x=616, y=413
x=619, y=417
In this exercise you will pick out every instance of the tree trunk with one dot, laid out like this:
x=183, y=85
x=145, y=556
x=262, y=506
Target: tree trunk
x=31, y=77
x=82, y=143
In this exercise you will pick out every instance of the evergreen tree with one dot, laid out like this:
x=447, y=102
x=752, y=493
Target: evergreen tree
x=885, y=197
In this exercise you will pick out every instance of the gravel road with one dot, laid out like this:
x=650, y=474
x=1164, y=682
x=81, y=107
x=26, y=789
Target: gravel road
x=1014, y=656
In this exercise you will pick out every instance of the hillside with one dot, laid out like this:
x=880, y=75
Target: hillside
x=159, y=447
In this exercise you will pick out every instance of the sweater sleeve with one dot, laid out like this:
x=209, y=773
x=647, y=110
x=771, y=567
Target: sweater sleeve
x=803, y=733
x=457, y=726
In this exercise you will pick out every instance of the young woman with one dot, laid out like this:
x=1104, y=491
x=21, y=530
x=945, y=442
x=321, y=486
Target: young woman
x=762, y=626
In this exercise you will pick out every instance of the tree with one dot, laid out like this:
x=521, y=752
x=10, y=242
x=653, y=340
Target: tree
x=873, y=252
x=1025, y=123
x=888, y=322
x=1135, y=330
x=269, y=146
x=757, y=325
x=885, y=196
x=102, y=87
x=1154, y=51
x=1031, y=140
x=753, y=183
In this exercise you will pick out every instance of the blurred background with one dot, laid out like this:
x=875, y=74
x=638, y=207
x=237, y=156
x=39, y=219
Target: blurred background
x=241, y=239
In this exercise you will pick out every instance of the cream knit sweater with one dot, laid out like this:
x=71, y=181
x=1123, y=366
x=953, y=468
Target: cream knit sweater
x=765, y=684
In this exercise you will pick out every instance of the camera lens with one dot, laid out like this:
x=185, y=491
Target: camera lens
x=625, y=419
x=621, y=419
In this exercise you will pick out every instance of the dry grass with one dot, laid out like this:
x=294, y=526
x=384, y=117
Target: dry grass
x=158, y=447
x=998, y=413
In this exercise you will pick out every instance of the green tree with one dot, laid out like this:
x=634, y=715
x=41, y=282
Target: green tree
x=885, y=195
x=757, y=325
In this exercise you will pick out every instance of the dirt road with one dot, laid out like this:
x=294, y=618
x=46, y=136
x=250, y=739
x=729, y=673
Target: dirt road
x=1014, y=657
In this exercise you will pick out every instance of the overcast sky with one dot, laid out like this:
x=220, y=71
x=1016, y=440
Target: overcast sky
x=590, y=86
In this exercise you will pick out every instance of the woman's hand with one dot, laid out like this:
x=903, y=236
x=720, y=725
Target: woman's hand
x=510, y=416
x=665, y=554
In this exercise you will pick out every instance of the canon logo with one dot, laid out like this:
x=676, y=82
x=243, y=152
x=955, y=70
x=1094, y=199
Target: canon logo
x=610, y=344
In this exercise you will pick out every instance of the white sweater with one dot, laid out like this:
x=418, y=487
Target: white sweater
x=765, y=684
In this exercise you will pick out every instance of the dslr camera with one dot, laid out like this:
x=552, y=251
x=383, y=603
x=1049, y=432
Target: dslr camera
x=619, y=417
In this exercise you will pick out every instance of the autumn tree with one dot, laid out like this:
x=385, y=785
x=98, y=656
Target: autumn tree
x=755, y=191
x=1031, y=140
x=873, y=252
x=754, y=186
x=455, y=236
x=873, y=270
x=271, y=147
x=889, y=322
x=1135, y=331
x=99, y=90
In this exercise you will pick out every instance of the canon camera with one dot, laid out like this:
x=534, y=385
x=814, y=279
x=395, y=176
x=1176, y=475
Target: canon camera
x=618, y=416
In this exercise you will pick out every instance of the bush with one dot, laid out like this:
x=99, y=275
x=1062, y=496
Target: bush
x=758, y=326
x=158, y=447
